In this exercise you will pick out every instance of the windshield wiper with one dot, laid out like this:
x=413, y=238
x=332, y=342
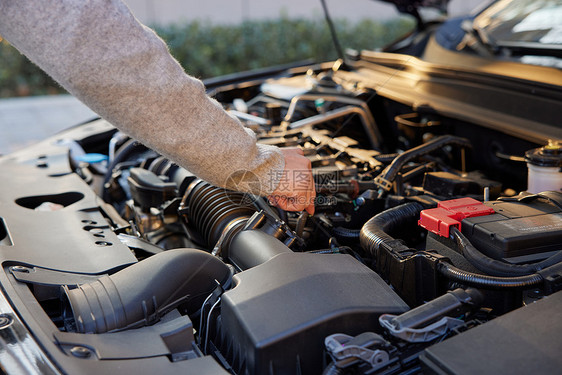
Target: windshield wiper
x=477, y=40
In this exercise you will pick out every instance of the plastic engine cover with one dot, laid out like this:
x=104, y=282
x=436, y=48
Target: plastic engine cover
x=276, y=319
x=525, y=341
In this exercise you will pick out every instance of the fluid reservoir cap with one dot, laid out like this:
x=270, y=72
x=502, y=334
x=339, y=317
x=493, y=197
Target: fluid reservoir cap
x=92, y=158
x=547, y=156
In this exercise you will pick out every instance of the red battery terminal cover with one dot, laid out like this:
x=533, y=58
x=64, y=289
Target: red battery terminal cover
x=450, y=214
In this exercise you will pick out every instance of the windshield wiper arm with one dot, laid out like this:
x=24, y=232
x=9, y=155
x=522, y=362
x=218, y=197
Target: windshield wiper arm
x=477, y=40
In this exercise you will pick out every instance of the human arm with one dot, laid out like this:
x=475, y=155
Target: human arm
x=121, y=69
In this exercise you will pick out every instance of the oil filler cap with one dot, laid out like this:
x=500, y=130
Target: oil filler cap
x=450, y=214
x=547, y=156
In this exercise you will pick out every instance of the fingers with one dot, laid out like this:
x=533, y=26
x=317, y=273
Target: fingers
x=310, y=209
x=296, y=190
x=293, y=203
x=292, y=150
x=299, y=199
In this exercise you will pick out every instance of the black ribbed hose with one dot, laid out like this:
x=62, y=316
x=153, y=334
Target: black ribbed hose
x=374, y=235
x=215, y=211
x=488, y=282
x=374, y=232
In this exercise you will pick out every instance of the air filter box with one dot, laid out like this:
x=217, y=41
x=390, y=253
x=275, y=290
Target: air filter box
x=276, y=318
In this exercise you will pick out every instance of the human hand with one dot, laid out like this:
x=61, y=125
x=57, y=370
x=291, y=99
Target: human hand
x=296, y=190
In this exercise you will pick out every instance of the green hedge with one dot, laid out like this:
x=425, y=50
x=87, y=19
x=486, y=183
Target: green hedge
x=208, y=50
x=20, y=77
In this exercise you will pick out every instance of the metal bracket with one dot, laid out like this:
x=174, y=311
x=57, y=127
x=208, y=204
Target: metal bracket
x=383, y=183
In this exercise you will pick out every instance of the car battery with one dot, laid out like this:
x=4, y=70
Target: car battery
x=521, y=230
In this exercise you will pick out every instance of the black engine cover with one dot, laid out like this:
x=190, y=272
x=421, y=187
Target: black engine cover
x=276, y=318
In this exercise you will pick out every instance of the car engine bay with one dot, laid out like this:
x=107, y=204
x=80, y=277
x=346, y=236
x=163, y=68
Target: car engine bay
x=431, y=230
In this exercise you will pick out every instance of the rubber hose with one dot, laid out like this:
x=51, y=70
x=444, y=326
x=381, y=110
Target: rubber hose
x=487, y=282
x=374, y=234
x=301, y=223
x=495, y=267
x=346, y=232
x=140, y=294
x=390, y=172
x=124, y=152
x=216, y=212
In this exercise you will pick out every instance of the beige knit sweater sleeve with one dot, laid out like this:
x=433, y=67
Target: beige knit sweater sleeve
x=122, y=70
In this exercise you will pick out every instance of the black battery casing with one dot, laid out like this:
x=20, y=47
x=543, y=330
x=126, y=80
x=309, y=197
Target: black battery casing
x=520, y=231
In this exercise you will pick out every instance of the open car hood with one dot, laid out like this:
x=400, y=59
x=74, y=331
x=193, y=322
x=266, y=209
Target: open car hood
x=416, y=8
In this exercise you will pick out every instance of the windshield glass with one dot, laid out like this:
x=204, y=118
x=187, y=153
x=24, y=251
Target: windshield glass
x=530, y=30
x=530, y=21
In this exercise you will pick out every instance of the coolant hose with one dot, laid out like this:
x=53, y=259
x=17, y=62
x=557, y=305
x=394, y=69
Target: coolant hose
x=487, y=282
x=495, y=267
x=374, y=232
x=140, y=294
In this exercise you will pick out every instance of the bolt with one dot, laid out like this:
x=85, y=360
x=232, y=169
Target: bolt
x=5, y=320
x=80, y=352
x=20, y=269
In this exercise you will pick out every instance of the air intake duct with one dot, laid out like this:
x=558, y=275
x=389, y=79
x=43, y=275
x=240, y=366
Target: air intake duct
x=251, y=248
x=140, y=294
x=215, y=212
